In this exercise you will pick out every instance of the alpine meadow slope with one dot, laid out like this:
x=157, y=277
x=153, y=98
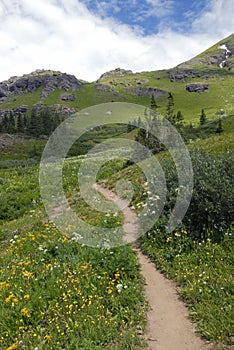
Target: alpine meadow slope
x=57, y=293
x=205, y=81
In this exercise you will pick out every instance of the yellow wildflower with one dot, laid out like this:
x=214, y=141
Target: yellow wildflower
x=8, y=299
x=13, y=346
x=47, y=337
x=27, y=274
x=25, y=311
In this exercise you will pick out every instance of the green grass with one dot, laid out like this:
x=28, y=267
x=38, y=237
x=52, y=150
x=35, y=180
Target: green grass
x=203, y=269
x=205, y=276
x=54, y=292
x=20, y=147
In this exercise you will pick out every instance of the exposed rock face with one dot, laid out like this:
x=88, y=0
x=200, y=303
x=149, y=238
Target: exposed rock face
x=64, y=110
x=219, y=56
x=146, y=92
x=29, y=83
x=14, y=111
x=228, y=52
x=103, y=88
x=182, y=75
x=116, y=72
x=197, y=87
x=106, y=88
x=67, y=97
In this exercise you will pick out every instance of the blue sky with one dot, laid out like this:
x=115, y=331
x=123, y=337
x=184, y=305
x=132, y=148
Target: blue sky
x=89, y=37
x=150, y=16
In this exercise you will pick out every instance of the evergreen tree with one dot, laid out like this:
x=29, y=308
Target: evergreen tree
x=139, y=122
x=47, y=121
x=35, y=125
x=179, y=120
x=153, y=104
x=26, y=121
x=219, y=129
x=170, y=107
x=145, y=134
x=11, y=123
x=179, y=116
x=20, y=123
x=5, y=122
x=203, y=118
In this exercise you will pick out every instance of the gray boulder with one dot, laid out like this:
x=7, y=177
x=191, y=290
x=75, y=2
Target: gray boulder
x=67, y=97
x=146, y=92
x=115, y=72
x=197, y=87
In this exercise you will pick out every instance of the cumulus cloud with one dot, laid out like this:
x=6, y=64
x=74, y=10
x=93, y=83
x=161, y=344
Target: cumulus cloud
x=63, y=35
x=217, y=19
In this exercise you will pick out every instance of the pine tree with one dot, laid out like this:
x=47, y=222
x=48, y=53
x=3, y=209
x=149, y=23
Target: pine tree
x=145, y=135
x=179, y=116
x=5, y=122
x=203, y=118
x=170, y=107
x=219, y=127
x=47, y=122
x=20, y=123
x=11, y=123
x=26, y=121
x=153, y=104
x=35, y=125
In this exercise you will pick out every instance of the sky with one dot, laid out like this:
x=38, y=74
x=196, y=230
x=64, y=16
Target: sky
x=89, y=37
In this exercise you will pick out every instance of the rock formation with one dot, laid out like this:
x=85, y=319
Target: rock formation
x=47, y=80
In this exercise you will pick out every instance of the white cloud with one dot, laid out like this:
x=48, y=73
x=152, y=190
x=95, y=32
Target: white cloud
x=63, y=35
x=217, y=20
x=160, y=8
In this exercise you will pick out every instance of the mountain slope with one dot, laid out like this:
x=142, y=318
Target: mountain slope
x=206, y=81
x=220, y=55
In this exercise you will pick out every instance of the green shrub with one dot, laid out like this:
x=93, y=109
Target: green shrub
x=211, y=206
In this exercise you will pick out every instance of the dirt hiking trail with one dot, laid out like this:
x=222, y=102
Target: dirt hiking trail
x=169, y=326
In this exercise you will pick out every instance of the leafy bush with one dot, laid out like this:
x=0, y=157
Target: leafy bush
x=211, y=206
x=212, y=203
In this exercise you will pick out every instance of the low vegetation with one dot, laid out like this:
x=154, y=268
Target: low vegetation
x=56, y=293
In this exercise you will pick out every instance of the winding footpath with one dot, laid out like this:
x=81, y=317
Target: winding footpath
x=169, y=326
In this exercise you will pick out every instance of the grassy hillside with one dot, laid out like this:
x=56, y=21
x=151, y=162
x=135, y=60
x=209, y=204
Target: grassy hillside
x=202, y=68
x=57, y=293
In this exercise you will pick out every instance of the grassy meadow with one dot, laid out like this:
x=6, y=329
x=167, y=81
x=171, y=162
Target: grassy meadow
x=56, y=293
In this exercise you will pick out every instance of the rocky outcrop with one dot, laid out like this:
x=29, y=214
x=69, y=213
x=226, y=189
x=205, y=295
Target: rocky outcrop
x=103, y=88
x=228, y=53
x=58, y=108
x=146, y=92
x=183, y=75
x=47, y=80
x=116, y=72
x=106, y=88
x=197, y=87
x=67, y=97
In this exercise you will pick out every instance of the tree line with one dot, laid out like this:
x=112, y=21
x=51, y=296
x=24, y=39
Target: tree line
x=36, y=123
x=152, y=121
